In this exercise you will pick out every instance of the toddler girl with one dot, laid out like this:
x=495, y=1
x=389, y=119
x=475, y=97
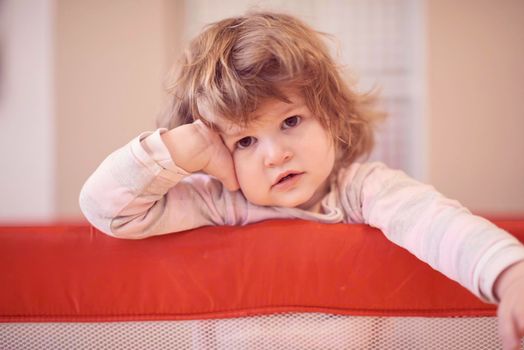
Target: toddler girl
x=262, y=126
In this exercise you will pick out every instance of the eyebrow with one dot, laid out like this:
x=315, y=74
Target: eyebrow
x=291, y=107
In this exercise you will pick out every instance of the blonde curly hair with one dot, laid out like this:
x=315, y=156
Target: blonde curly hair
x=237, y=63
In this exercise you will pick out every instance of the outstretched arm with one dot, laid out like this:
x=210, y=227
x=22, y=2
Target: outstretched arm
x=467, y=248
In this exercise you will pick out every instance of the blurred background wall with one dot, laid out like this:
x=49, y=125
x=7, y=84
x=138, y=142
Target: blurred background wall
x=475, y=102
x=80, y=78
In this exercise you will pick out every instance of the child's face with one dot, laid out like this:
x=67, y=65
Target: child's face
x=283, y=158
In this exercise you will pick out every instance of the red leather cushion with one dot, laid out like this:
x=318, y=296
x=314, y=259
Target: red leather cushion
x=75, y=273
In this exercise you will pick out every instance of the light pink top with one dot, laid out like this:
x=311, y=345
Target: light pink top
x=139, y=192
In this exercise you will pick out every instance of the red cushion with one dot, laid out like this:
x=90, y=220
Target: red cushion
x=75, y=273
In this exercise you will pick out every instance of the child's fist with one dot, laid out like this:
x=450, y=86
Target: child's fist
x=219, y=162
x=194, y=147
x=510, y=290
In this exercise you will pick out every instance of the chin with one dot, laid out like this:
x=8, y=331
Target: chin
x=293, y=202
x=286, y=203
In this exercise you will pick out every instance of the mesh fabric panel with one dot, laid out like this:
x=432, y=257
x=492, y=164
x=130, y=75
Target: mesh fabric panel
x=278, y=331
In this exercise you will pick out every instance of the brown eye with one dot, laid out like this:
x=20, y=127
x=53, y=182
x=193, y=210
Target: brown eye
x=291, y=122
x=245, y=142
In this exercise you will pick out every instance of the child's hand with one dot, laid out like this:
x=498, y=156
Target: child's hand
x=510, y=290
x=195, y=147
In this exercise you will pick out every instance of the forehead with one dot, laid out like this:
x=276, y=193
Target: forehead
x=225, y=126
x=268, y=110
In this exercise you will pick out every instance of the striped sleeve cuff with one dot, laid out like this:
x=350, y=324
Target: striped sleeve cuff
x=501, y=256
x=153, y=153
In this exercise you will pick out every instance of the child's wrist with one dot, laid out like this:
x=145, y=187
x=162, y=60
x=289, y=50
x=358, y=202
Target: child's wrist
x=507, y=278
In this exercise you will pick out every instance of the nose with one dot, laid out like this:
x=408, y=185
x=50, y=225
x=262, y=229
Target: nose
x=276, y=153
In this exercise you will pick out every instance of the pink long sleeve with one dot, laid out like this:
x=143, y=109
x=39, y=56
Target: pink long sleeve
x=139, y=192
x=438, y=230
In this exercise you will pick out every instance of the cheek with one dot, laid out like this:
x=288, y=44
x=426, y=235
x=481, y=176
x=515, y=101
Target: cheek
x=320, y=144
x=251, y=187
x=324, y=153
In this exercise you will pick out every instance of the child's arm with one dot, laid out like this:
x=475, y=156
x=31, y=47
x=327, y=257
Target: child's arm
x=467, y=248
x=138, y=190
x=509, y=288
x=438, y=230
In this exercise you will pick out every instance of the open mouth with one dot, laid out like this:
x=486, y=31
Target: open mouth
x=287, y=178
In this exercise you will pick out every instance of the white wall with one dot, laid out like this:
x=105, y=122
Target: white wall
x=27, y=158
x=111, y=60
x=476, y=91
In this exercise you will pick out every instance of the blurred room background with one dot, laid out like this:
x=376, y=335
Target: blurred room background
x=79, y=79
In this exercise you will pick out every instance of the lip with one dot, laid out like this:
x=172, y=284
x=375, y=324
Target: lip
x=289, y=182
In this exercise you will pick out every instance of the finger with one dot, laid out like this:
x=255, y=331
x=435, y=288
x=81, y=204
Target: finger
x=519, y=325
x=222, y=167
x=226, y=175
x=231, y=184
x=220, y=164
x=508, y=331
x=230, y=180
x=226, y=167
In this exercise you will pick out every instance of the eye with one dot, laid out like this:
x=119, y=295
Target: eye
x=291, y=122
x=245, y=142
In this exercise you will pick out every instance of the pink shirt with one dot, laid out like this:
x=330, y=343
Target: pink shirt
x=139, y=192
